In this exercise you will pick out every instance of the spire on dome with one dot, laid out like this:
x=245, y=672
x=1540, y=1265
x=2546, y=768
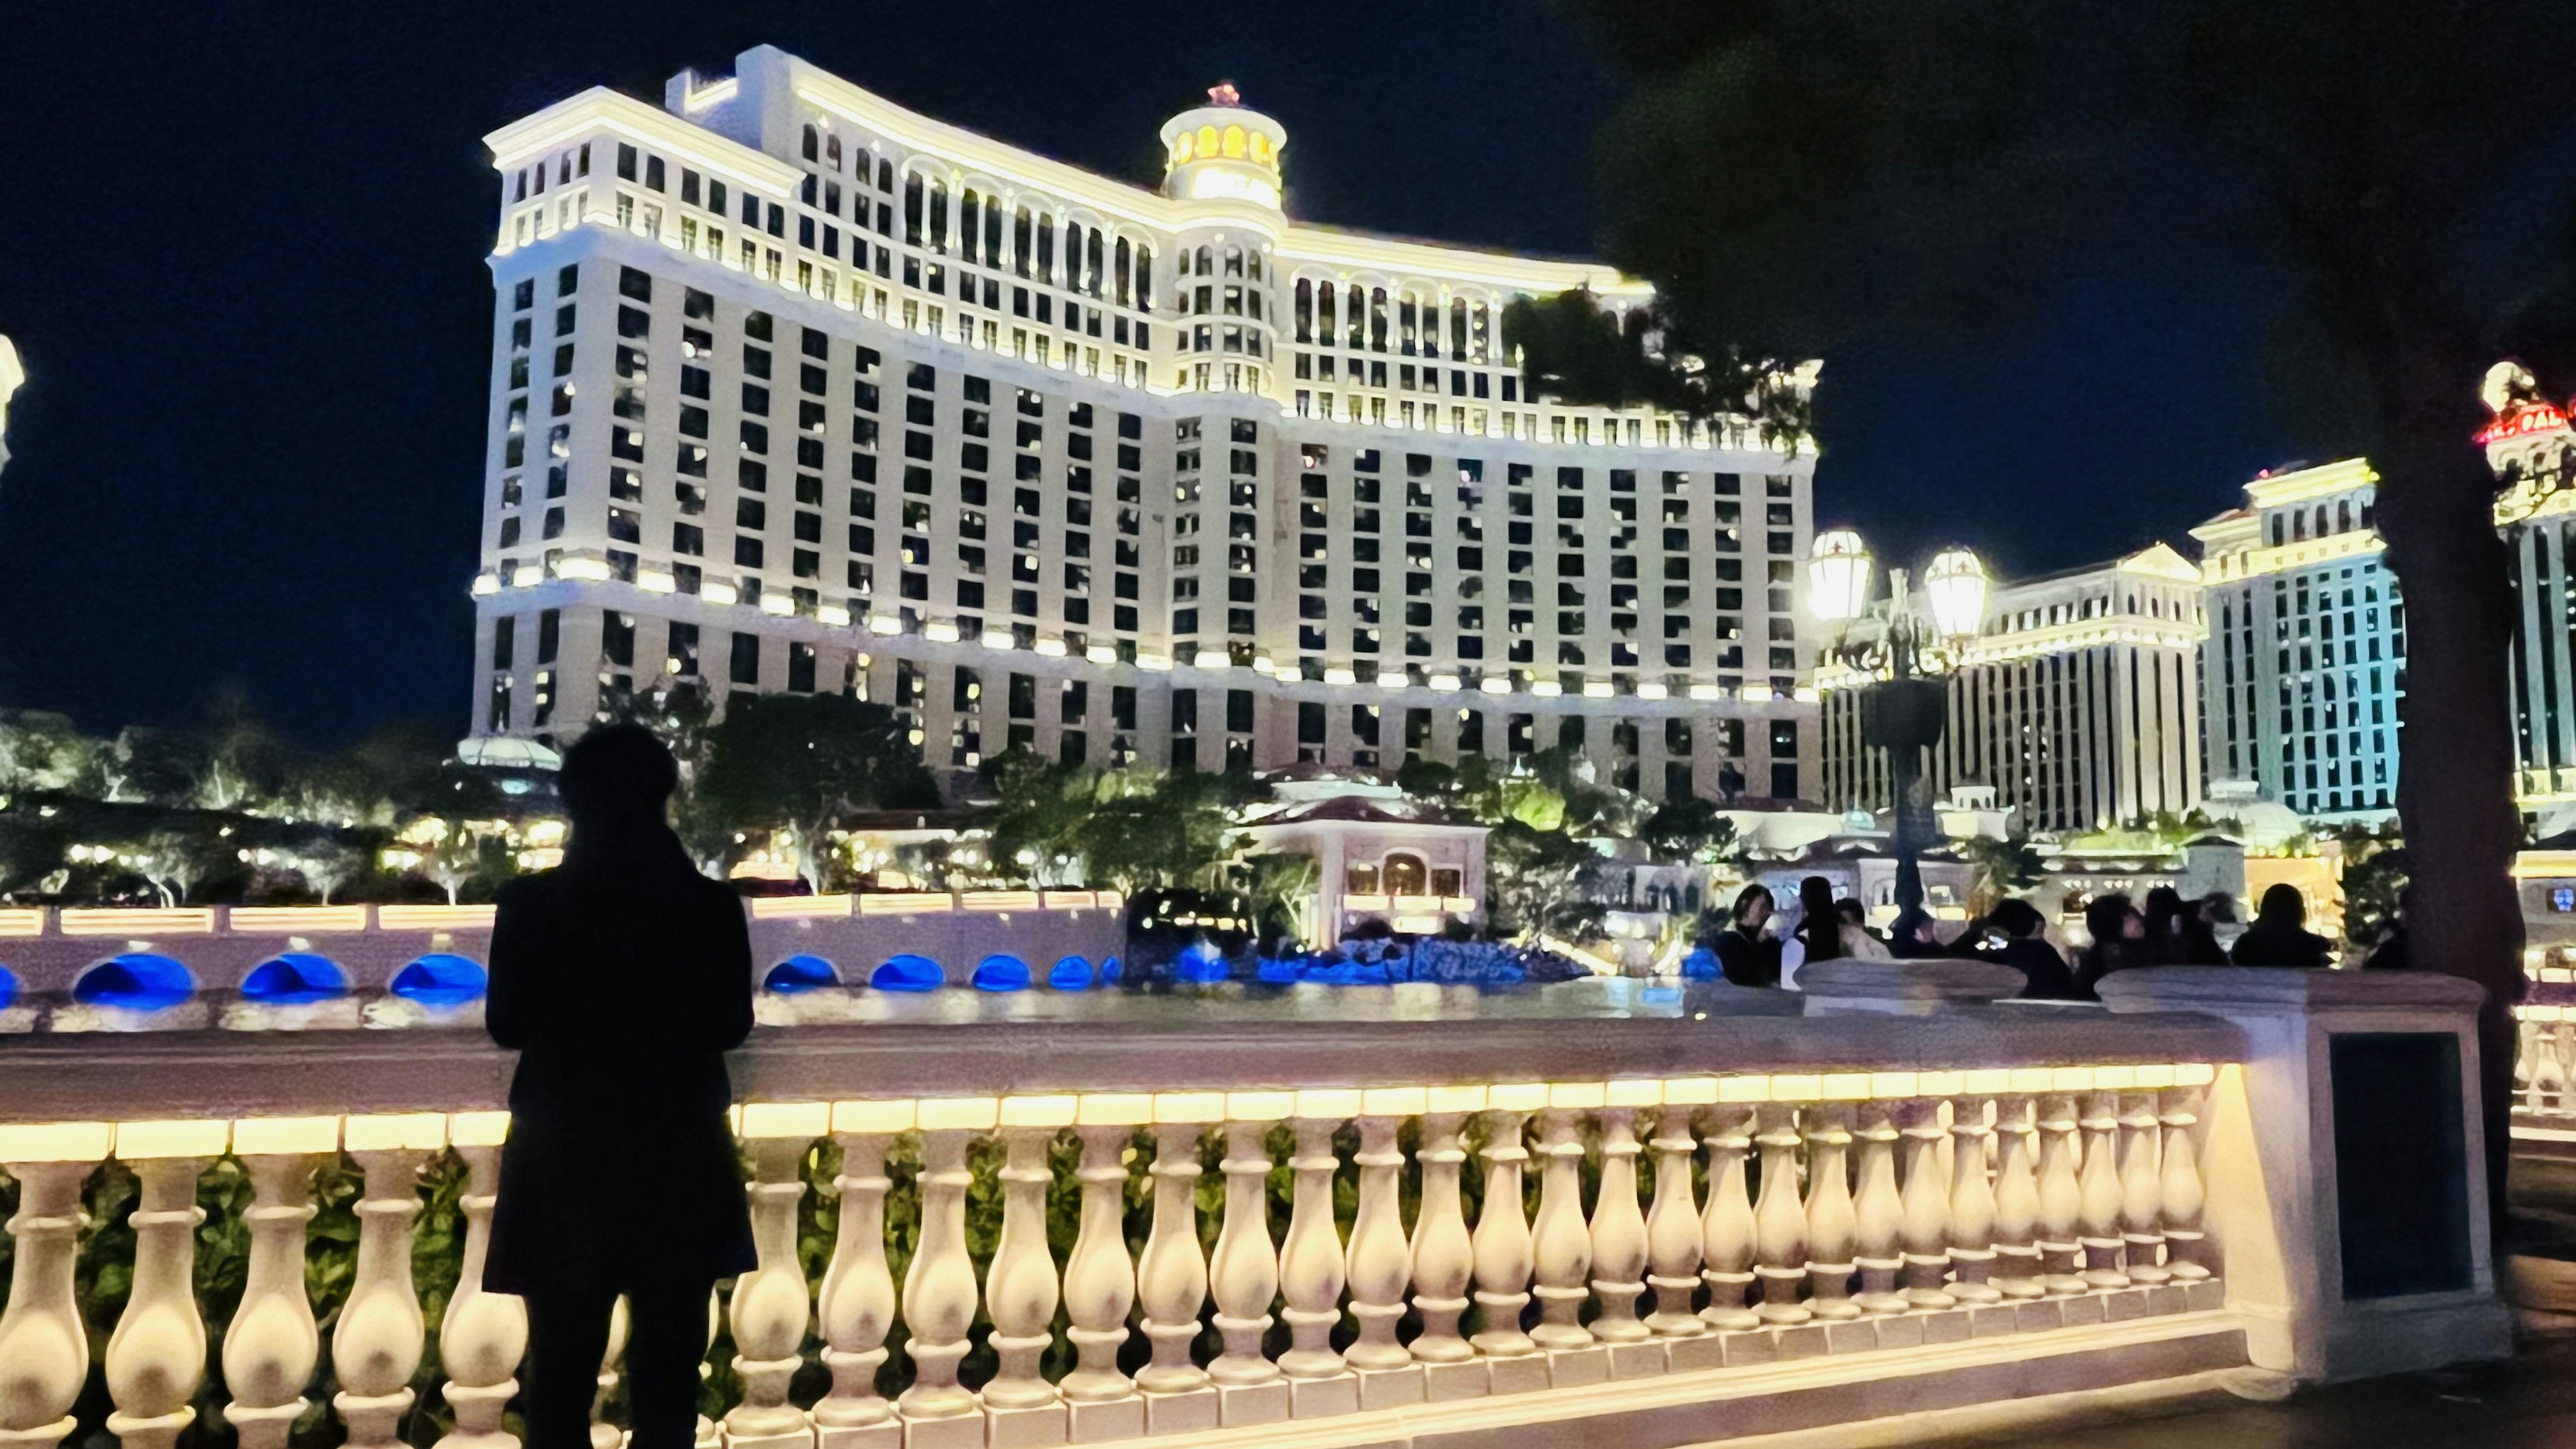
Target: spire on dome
x=1223, y=93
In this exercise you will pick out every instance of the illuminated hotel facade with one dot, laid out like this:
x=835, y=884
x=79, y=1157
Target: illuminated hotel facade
x=2077, y=702
x=797, y=390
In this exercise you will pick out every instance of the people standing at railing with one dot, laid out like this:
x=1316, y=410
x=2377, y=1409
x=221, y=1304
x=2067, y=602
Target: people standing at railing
x=2178, y=931
x=2016, y=934
x=2394, y=951
x=1747, y=953
x=2119, y=943
x=2280, y=934
x=1912, y=936
x=621, y=978
x=1823, y=934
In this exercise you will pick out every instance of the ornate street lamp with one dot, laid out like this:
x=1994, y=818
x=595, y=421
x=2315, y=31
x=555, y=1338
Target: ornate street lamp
x=1902, y=703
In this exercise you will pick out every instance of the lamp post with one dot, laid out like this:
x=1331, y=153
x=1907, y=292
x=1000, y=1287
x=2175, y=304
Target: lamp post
x=1903, y=704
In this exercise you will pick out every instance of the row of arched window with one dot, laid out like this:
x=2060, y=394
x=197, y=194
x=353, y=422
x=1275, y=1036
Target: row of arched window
x=1362, y=319
x=2298, y=525
x=1091, y=263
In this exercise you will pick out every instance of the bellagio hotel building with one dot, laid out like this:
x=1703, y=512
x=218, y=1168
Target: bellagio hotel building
x=794, y=389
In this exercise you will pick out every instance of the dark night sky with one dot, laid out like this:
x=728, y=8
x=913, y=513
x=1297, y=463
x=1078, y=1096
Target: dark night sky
x=243, y=258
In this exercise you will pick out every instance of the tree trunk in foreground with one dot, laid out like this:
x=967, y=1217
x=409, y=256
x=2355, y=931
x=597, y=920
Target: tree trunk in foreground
x=2456, y=755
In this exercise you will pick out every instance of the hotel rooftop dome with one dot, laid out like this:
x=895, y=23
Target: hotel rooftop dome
x=1223, y=151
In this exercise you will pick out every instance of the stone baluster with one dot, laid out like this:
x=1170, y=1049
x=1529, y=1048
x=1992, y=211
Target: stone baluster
x=157, y=1357
x=1726, y=1225
x=603, y=1434
x=483, y=1335
x=1444, y=1253
x=2142, y=1180
x=1099, y=1279
x=1619, y=1247
x=1779, y=1219
x=1311, y=1265
x=2098, y=1221
x=1558, y=1234
x=1878, y=1210
x=1673, y=1220
x=710, y=1434
x=1972, y=1197
x=1832, y=1225
x=1925, y=1235
x=44, y=1347
x=1379, y=1260
x=272, y=1344
x=2562, y=1039
x=2019, y=1264
x=1504, y=1254
x=939, y=1286
x=2179, y=1196
x=2061, y=1199
x=769, y=1311
x=377, y=1343
x=1243, y=1272
x=2526, y=1058
x=1020, y=1287
x=856, y=1306
x=1172, y=1275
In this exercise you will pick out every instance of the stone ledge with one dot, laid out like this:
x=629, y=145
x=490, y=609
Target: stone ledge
x=2285, y=989
x=1693, y=1408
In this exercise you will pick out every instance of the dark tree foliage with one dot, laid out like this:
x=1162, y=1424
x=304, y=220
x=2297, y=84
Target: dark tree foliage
x=1797, y=179
x=807, y=760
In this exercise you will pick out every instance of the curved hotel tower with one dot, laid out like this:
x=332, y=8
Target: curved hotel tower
x=793, y=389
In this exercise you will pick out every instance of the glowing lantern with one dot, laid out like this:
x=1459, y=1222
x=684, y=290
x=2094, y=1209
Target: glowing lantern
x=1838, y=576
x=1957, y=583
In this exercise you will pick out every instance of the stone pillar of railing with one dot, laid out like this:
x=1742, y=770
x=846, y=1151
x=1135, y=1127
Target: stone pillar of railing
x=1925, y=1234
x=1673, y=1222
x=1726, y=1226
x=1099, y=1278
x=1563, y=1242
x=1619, y=1245
x=1379, y=1260
x=1444, y=1252
x=157, y=1357
x=1020, y=1287
x=483, y=1335
x=1312, y=1268
x=2061, y=1197
x=1505, y=1256
x=1832, y=1226
x=603, y=1434
x=1878, y=1212
x=2018, y=1261
x=2141, y=1187
x=769, y=1310
x=857, y=1303
x=2098, y=1220
x=272, y=1344
x=1780, y=1218
x=377, y=1343
x=2180, y=1197
x=1243, y=1271
x=1972, y=1194
x=2345, y=1164
x=939, y=1286
x=1172, y=1275
x=44, y=1346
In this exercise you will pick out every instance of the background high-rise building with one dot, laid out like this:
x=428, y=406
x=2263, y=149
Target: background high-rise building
x=2306, y=658
x=794, y=389
x=2077, y=703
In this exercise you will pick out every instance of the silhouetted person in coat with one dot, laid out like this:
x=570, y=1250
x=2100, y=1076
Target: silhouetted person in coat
x=621, y=978
x=2279, y=935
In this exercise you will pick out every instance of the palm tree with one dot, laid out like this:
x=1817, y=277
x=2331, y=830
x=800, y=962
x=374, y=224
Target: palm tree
x=2002, y=866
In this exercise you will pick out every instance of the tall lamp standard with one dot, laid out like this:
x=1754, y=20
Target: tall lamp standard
x=1904, y=703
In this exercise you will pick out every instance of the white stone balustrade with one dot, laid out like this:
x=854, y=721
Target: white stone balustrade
x=1820, y=1188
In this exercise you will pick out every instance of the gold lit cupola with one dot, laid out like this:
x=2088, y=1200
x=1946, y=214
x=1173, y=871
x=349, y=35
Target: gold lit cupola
x=1223, y=151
